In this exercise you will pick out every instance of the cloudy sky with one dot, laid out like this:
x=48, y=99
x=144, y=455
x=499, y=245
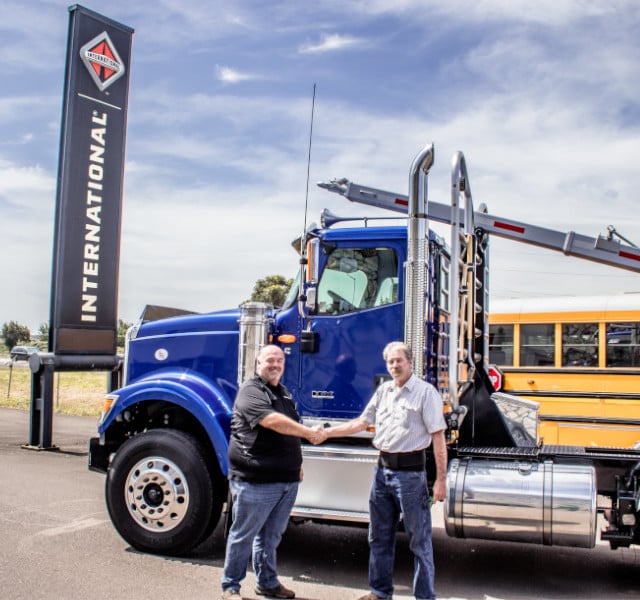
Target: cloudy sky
x=542, y=97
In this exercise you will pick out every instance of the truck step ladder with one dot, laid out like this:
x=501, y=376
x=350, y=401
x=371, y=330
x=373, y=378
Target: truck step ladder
x=467, y=296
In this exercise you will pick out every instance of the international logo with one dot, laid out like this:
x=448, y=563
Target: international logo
x=102, y=61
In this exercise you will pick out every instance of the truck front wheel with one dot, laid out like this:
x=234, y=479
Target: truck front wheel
x=160, y=494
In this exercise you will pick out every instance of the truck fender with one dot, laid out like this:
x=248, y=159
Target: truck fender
x=207, y=402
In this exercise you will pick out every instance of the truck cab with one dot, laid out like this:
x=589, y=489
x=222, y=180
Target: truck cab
x=334, y=360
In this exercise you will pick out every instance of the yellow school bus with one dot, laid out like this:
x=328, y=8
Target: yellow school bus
x=579, y=358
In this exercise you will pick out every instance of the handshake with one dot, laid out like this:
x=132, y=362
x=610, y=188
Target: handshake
x=317, y=435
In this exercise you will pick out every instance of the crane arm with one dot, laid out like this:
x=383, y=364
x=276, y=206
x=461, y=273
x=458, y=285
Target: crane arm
x=598, y=249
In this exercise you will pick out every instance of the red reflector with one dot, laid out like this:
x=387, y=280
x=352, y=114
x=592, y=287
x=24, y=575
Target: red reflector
x=401, y=201
x=508, y=226
x=624, y=254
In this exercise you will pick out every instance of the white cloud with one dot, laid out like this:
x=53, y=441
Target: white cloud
x=27, y=198
x=550, y=12
x=330, y=42
x=229, y=75
x=23, y=182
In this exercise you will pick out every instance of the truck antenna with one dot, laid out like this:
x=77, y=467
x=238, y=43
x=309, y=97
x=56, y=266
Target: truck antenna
x=303, y=238
x=306, y=199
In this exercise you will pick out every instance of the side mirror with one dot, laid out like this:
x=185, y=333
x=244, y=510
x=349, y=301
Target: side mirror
x=312, y=275
x=313, y=258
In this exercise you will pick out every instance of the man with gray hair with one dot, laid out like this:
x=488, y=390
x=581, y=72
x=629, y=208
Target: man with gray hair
x=407, y=414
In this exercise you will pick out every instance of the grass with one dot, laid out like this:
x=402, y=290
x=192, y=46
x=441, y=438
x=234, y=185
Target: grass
x=74, y=393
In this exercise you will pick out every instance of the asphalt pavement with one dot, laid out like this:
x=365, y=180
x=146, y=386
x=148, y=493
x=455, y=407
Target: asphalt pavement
x=56, y=542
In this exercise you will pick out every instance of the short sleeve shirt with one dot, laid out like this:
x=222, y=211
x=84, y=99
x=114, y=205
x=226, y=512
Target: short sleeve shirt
x=258, y=454
x=404, y=418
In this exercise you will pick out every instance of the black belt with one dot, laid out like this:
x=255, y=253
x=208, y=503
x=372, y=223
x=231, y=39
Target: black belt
x=403, y=461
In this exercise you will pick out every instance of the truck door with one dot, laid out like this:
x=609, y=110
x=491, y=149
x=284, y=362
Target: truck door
x=360, y=310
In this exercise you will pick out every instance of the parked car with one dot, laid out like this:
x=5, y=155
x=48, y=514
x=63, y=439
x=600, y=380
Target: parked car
x=23, y=352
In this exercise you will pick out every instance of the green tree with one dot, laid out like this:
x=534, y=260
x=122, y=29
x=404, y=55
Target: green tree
x=272, y=289
x=14, y=333
x=122, y=331
x=43, y=335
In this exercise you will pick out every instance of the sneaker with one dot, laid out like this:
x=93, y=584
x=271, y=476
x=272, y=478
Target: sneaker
x=276, y=592
x=231, y=595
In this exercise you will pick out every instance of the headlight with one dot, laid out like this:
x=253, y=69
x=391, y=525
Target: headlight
x=107, y=405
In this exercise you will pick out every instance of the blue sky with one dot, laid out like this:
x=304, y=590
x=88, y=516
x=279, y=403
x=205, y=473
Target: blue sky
x=542, y=97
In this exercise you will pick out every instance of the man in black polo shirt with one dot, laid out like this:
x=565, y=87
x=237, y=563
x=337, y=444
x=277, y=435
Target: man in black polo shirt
x=265, y=469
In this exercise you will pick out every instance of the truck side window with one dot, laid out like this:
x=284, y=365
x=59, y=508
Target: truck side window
x=358, y=278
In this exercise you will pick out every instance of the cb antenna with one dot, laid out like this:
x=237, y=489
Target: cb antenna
x=303, y=238
x=306, y=199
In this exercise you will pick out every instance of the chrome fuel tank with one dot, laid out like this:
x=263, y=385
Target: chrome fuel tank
x=541, y=503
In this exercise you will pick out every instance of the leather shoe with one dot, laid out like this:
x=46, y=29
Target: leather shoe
x=276, y=592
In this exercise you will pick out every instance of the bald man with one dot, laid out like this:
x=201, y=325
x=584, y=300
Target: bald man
x=265, y=469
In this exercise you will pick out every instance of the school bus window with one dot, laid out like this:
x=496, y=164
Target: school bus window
x=501, y=344
x=623, y=344
x=580, y=345
x=537, y=347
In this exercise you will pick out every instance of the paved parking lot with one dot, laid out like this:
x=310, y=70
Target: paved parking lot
x=57, y=543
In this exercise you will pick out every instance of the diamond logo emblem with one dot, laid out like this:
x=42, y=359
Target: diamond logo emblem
x=102, y=61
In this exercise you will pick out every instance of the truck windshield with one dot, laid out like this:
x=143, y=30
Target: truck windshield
x=292, y=294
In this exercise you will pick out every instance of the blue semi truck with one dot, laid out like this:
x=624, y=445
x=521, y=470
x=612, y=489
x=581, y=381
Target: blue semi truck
x=163, y=436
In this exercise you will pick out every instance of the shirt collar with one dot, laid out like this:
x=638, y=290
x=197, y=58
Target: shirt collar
x=408, y=384
x=265, y=382
x=280, y=388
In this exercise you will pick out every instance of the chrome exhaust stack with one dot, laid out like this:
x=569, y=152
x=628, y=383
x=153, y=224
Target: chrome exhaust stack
x=255, y=318
x=417, y=256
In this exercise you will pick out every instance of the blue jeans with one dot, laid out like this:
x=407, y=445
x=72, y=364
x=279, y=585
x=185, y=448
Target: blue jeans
x=260, y=516
x=394, y=493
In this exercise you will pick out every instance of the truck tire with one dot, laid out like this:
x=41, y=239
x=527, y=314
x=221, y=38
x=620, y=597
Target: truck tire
x=160, y=493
